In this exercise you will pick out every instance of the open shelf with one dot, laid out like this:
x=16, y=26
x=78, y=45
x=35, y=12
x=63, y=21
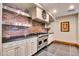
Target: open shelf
x=16, y=11
x=16, y=24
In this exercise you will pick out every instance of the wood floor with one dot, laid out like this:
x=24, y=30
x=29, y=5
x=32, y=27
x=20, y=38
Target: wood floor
x=57, y=49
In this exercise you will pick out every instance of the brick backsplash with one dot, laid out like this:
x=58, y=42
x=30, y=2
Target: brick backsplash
x=15, y=18
x=9, y=30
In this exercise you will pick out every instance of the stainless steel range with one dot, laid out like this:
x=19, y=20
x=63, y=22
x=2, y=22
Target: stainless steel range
x=42, y=40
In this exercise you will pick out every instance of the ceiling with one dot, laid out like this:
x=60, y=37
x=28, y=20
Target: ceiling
x=22, y=6
x=62, y=8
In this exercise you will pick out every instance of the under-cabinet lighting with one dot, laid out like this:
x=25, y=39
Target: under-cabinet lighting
x=18, y=11
x=16, y=23
x=20, y=24
x=23, y=13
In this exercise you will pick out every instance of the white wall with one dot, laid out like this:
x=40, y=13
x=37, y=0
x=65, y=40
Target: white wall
x=66, y=36
x=0, y=29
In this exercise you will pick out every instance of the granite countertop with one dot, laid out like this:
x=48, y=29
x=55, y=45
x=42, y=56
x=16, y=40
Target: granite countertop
x=5, y=40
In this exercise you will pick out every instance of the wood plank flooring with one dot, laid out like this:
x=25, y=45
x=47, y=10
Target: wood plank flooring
x=58, y=49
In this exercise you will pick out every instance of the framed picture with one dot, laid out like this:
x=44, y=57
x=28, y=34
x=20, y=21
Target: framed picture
x=65, y=26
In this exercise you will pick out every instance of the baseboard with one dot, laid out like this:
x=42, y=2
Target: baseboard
x=66, y=43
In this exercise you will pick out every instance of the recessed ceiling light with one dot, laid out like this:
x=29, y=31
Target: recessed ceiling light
x=71, y=7
x=55, y=11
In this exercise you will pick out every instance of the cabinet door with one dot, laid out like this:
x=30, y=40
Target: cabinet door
x=32, y=46
x=28, y=48
x=50, y=38
x=11, y=51
x=23, y=50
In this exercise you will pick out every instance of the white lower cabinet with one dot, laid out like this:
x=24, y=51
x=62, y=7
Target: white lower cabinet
x=16, y=49
x=32, y=46
x=25, y=47
x=50, y=38
x=11, y=51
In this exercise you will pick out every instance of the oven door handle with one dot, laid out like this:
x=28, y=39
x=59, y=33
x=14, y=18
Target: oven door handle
x=45, y=40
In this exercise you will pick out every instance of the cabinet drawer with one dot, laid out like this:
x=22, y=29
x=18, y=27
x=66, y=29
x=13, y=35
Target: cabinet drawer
x=12, y=51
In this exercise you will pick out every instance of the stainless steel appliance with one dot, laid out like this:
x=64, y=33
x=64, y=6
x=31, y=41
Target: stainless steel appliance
x=42, y=41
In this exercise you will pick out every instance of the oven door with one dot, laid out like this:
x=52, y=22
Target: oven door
x=42, y=42
x=45, y=42
x=39, y=45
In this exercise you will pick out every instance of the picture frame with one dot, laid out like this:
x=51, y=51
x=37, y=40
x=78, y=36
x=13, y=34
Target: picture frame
x=65, y=26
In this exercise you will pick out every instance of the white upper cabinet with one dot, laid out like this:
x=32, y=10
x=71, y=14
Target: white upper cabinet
x=40, y=15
